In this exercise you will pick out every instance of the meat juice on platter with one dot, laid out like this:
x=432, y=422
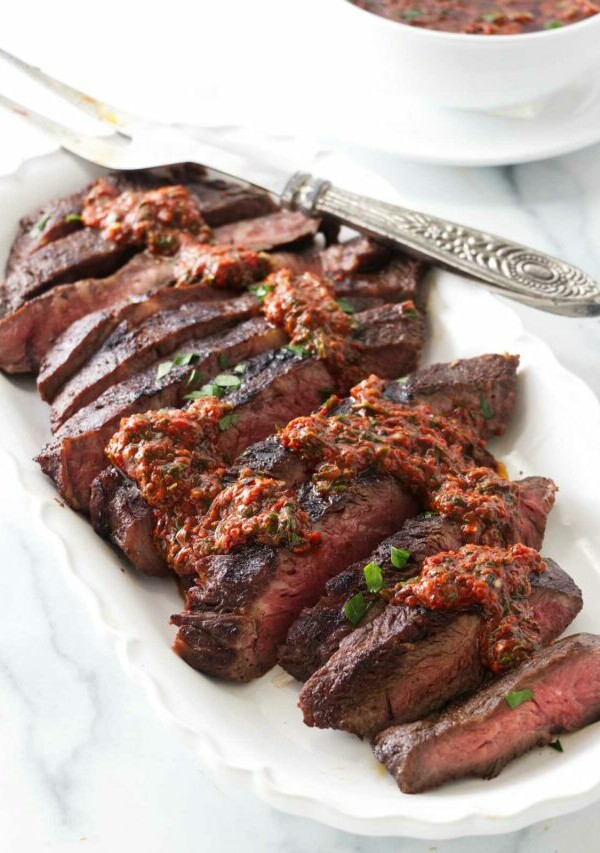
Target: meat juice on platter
x=484, y=17
x=237, y=403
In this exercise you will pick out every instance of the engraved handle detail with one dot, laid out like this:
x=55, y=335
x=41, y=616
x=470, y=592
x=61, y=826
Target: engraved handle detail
x=516, y=271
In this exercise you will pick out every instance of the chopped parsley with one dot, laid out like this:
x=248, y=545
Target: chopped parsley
x=261, y=290
x=298, y=349
x=325, y=394
x=411, y=14
x=228, y=421
x=355, y=608
x=557, y=745
x=373, y=577
x=242, y=367
x=346, y=306
x=179, y=361
x=486, y=409
x=208, y=390
x=517, y=697
x=553, y=25
x=399, y=557
x=73, y=217
x=227, y=380
x=223, y=361
x=40, y=224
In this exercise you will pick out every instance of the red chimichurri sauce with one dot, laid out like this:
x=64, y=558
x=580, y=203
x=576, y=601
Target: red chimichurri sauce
x=484, y=17
x=152, y=219
x=495, y=580
x=218, y=265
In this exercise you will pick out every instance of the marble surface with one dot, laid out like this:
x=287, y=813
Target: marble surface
x=87, y=765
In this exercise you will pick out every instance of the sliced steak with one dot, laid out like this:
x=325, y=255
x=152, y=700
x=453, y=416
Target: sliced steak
x=132, y=347
x=391, y=339
x=482, y=735
x=408, y=662
x=221, y=202
x=318, y=631
x=27, y=334
x=444, y=387
x=83, y=253
x=234, y=622
x=278, y=385
x=75, y=457
x=283, y=228
x=398, y=281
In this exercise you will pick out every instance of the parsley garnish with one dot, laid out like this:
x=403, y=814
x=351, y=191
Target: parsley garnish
x=223, y=361
x=411, y=14
x=227, y=380
x=399, y=557
x=517, y=697
x=298, y=349
x=260, y=290
x=179, y=361
x=242, y=367
x=325, y=393
x=346, y=306
x=73, y=217
x=208, y=390
x=227, y=421
x=40, y=224
x=373, y=577
x=557, y=745
x=553, y=25
x=355, y=608
x=486, y=409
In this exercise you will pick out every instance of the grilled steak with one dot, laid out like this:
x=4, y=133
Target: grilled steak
x=318, y=631
x=76, y=455
x=283, y=228
x=221, y=202
x=397, y=281
x=408, y=662
x=482, y=735
x=278, y=385
x=446, y=388
x=132, y=347
x=83, y=253
x=234, y=622
x=26, y=335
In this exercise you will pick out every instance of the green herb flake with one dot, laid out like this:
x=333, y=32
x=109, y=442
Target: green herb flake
x=73, y=217
x=553, y=25
x=260, y=290
x=410, y=313
x=208, y=390
x=223, y=361
x=346, y=306
x=241, y=368
x=227, y=380
x=486, y=409
x=298, y=349
x=399, y=557
x=163, y=368
x=411, y=14
x=491, y=17
x=194, y=376
x=557, y=745
x=517, y=697
x=355, y=608
x=185, y=359
x=325, y=394
x=373, y=577
x=228, y=421
x=40, y=224
x=403, y=380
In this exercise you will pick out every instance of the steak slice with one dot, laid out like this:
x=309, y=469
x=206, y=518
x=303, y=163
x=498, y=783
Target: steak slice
x=234, y=622
x=132, y=347
x=75, y=457
x=398, y=281
x=27, y=334
x=446, y=388
x=318, y=631
x=277, y=385
x=482, y=735
x=283, y=228
x=221, y=202
x=83, y=253
x=404, y=665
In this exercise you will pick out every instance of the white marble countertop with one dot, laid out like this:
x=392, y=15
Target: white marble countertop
x=87, y=765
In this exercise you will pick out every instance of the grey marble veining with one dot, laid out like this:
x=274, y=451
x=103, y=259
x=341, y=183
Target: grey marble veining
x=86, y=763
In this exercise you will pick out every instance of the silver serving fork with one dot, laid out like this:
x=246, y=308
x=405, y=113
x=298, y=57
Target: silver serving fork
x=527, y=275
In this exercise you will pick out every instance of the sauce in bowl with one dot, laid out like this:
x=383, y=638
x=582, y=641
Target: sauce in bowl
x=483, y=17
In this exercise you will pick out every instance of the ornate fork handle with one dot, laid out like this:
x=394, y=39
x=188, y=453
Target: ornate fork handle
x=524, y=274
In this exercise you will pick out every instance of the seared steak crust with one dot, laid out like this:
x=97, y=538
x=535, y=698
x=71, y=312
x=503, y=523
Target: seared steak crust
x=482, y=735
x=234, y=622
x=282, y=228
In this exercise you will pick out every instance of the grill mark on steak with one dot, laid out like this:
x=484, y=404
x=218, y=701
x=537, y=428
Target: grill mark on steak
x=234, y=622
x=277, y=385
x=129, y=349
x=222, y=202
x=482, y=735
x=76, y=454
x=27, y=334
x=409, y=662
x=318, y=631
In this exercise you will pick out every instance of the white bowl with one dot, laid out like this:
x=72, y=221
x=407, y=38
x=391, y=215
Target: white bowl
x=482, y=72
